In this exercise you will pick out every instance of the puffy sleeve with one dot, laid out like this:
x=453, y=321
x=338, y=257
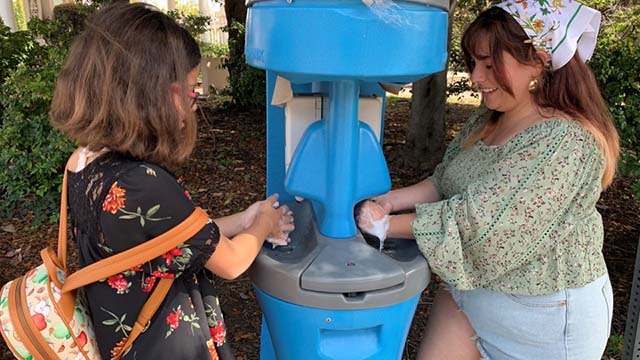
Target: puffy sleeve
x=146, y=202
x=454, y=148
x=503, y=219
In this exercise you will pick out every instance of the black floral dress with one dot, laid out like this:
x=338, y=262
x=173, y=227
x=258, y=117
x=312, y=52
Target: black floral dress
x=117, y=203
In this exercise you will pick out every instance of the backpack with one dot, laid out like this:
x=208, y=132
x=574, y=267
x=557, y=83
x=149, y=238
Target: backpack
x=43, y=318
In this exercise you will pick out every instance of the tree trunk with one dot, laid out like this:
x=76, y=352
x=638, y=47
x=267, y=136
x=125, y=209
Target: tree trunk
x=235, y=10
x=426, y=133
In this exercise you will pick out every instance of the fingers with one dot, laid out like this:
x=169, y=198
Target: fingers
x=276, y=241
x=363, y=217
x=279, y=240
x=286, y=220
x=387, y=207
x=285, y=210
x=371, y=211
x=284, y=225
x=286, y=215
x=373, y=219
x=272, y=200
x=383, y=202
x=375, y=210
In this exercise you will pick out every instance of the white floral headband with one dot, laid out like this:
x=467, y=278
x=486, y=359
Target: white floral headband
x=559, y=27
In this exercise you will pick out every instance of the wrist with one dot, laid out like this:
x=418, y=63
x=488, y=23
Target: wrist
x=401, y=226
x=260, y=226
x=389, y=199
x=246, y=219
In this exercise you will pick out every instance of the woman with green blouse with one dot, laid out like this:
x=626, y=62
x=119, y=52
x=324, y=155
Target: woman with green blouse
x=508, y=220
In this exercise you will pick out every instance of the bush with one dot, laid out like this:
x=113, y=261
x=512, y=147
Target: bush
x=616, y=63
x=214, y=50
x=196, y=25
x=247, y=85
x=33, y=153
x=67, y=23
x=15, y=48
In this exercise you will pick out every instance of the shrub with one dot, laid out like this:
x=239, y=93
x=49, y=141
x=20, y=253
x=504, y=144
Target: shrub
x=67, y=23
x=218, y=50
x=33, y=153
x=15, y=48
x=196, y=25
x=616, y=63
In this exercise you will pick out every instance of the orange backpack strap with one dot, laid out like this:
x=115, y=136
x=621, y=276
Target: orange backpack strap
x=135, y=256
x=139, y=254
x=62, y=223
x=118, y=263
x=146, y=313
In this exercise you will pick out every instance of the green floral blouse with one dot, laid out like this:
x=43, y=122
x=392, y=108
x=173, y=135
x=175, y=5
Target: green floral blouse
x=519, y=218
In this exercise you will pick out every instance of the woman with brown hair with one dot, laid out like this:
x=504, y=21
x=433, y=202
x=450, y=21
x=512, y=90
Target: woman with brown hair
x=508, y=220
x=125, y=96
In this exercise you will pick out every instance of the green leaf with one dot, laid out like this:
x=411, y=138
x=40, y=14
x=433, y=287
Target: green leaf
x=110, y=322
x=153, y=210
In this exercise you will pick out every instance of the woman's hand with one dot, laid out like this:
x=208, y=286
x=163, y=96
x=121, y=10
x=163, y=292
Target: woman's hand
x=249, y=214
x=286, y=226
x=384, y=201
x=373, y=218
x=279, y=218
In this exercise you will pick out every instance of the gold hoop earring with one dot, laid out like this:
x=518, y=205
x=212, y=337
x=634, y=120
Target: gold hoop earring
x=533, y=85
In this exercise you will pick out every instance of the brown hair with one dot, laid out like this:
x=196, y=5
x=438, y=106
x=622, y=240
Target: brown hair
x=115, y=89
x=572, y=89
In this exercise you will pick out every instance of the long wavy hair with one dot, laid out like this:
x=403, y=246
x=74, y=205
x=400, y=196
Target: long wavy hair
x=115, y=90
x=572, y=89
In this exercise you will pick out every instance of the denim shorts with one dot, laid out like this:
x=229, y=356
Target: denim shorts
x=571, y=324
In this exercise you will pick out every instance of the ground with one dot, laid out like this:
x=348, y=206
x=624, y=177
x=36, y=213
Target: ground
x=227, y=173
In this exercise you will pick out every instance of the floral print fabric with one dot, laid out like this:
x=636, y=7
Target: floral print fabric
x=142, y=203
x=559, y=27
x=518, y=218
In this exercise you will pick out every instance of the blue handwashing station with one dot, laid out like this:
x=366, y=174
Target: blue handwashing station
x=331, y=293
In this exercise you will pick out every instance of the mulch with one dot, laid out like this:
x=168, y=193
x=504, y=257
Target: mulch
x=227, y=173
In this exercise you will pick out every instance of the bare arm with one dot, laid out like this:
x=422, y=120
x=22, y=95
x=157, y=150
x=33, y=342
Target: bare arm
x=234, y=255
x=232, y=225
x=374, y=215
x=400, y=226
x=406, y=198
x=375, y=221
